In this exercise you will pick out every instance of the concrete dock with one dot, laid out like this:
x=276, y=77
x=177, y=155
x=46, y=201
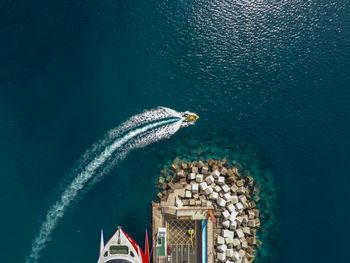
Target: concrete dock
x=181, y=245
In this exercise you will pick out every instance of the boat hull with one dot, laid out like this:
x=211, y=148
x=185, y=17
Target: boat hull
x=121, y=248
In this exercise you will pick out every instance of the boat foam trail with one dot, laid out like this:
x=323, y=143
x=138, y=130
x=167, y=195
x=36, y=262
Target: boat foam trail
x=127, y=137
x=157, y=134
x=145, y=117
x=140, y=119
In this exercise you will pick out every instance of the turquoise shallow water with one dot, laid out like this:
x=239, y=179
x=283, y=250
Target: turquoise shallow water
x=274, y=74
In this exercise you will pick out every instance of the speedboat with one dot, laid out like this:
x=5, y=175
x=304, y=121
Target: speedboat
x=121, y=248
x=190, y=116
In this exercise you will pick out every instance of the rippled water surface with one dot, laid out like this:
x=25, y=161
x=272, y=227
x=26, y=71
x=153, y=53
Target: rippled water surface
x=275, y=74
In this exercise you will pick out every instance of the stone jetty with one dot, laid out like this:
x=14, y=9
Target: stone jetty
x=227, y=199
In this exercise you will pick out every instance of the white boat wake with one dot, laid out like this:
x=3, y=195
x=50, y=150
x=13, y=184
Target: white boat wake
x=139, y=131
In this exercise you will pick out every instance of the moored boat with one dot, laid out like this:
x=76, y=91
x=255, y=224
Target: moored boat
x=121, y=248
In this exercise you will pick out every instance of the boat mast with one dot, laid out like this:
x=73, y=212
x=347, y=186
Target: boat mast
x=102, y=242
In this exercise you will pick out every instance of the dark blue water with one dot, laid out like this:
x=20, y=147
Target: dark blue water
x=273, y=73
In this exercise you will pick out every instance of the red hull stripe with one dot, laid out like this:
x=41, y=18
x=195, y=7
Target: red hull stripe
x=145, y=258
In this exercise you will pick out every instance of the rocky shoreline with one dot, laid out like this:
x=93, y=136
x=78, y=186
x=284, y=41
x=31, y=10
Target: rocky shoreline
x=216, y=184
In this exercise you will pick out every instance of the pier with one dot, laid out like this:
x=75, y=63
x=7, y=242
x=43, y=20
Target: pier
x=188, y=233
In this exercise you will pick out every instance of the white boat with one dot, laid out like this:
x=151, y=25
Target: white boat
x=121, y=248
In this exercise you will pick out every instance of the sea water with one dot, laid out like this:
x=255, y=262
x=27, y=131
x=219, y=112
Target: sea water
x=274, y=74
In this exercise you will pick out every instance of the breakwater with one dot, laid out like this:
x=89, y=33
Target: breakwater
x=227, y=198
